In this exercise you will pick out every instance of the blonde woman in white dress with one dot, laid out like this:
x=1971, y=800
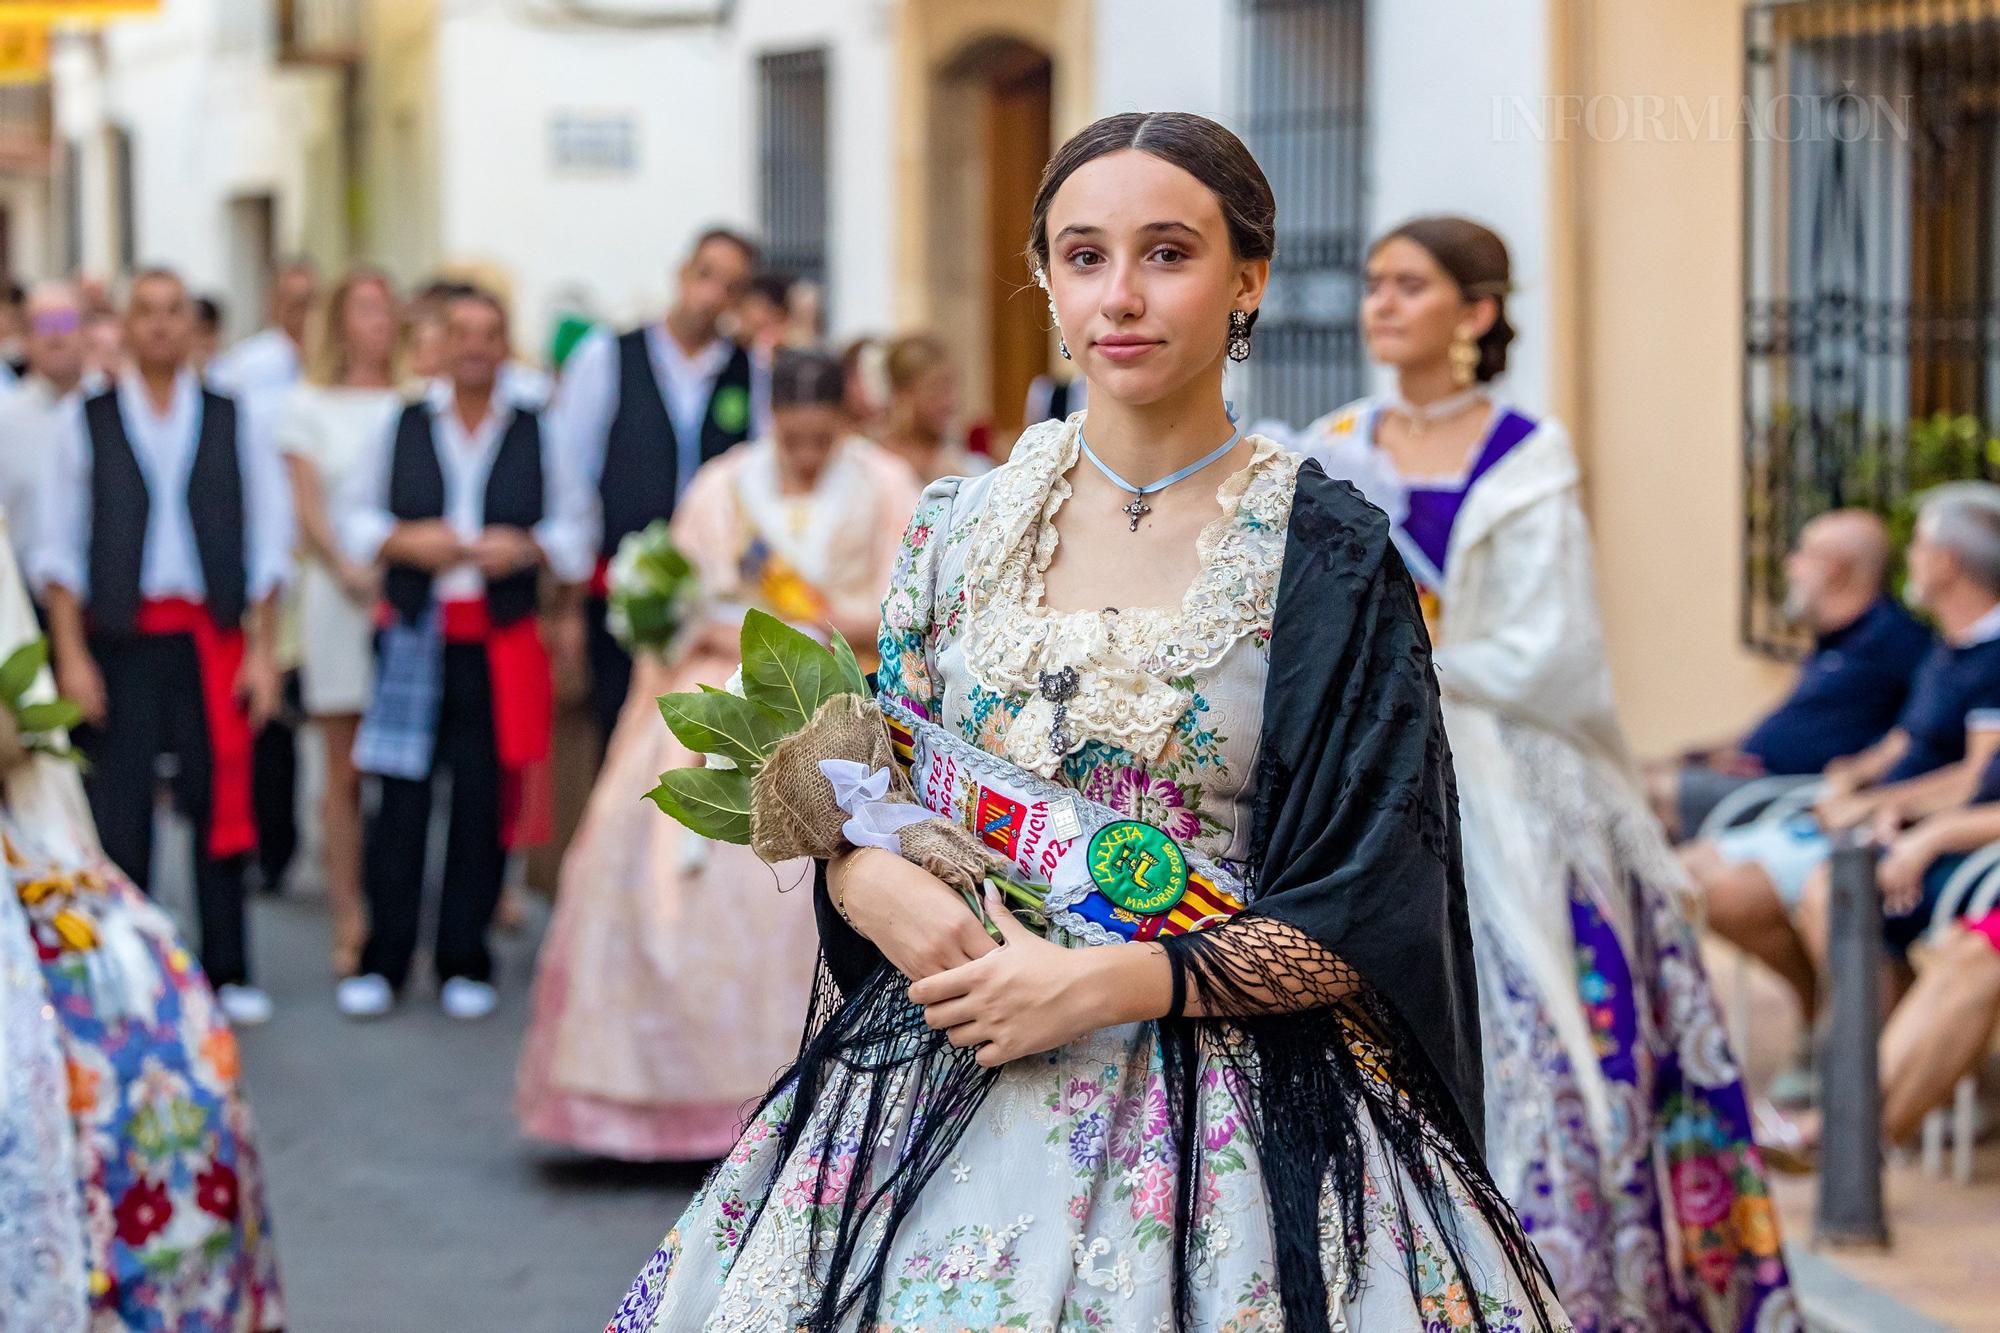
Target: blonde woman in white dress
x=327, y=425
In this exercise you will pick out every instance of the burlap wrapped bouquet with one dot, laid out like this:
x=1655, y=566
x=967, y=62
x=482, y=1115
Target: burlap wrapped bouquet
x=801, y=718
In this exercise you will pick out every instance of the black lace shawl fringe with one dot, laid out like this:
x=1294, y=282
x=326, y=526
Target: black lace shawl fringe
x=1303, y=1095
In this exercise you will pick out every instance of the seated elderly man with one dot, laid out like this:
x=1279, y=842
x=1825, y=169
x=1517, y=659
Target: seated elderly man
x=1850, y=688
x=1751, y=878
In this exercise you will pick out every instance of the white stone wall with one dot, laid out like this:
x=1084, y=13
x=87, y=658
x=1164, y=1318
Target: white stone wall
x=613, y=233
x=462, y=95
x=1165, y=55
x=1437, y=70
x=213, y=121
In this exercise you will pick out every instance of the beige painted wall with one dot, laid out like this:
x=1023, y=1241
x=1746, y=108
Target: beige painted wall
x=1650, y=342
x=398, y=180
x=929, y=34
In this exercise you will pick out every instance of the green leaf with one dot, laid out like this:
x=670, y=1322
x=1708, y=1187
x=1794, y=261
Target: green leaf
x=720, y=723
x=714, y=802
x=18, y=672
x=56, y=715
x=786, y=671
x=850, y=667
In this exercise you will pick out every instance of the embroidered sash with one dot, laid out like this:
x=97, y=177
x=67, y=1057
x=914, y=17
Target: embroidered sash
x=1048, y=831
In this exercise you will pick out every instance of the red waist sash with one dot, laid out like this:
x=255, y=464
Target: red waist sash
x=232, y=825
x=524, y=712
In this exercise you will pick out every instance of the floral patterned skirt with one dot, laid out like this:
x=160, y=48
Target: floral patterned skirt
x=1055, y=1211
x=1707, y=1255
x=177, y=1235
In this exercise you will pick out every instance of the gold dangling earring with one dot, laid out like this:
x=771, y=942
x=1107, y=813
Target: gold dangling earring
x=1464, y=360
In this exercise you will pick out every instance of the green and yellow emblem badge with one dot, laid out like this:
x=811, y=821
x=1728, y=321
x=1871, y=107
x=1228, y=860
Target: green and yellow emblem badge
x=1138, y=867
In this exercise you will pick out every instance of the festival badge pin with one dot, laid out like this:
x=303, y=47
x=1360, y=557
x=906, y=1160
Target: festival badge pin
x=1138, y=867
x=731, y=408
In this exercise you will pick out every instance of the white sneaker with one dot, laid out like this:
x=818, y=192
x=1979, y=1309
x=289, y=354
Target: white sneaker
x=246, y=1006
x=462, y=997
x=369, y=996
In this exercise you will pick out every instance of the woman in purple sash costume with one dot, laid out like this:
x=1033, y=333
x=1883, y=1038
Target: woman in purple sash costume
x=1615, y=1114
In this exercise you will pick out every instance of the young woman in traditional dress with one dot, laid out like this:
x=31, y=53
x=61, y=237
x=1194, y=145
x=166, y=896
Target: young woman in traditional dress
x=1615, y=1116
x=1151, y=637
x=674, y=976
x=130, y=1193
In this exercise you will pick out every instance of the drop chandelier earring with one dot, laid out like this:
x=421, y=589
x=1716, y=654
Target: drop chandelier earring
x=1239, y=335
x=1055, y=321
x=1464, y=360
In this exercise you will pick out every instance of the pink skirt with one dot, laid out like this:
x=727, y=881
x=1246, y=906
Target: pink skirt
x=673, y=981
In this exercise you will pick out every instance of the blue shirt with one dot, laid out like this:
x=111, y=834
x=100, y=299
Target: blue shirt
x=1957, y=687
x=1850, y=691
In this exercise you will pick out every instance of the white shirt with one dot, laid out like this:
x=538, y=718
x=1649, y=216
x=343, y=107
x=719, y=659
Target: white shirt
x=588, y=401
x=567, y=532
x=30, y=416
x=262, y=362
x=165, y=447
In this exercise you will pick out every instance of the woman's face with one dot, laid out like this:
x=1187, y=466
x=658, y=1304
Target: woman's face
x=369, y=316
x=933, y=400
x=1142, y=275
x=1412, y=310
x=805, y=438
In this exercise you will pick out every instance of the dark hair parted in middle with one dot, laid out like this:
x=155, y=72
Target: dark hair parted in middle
x=1476, y=259
x=807, y=377
x=1205, y=150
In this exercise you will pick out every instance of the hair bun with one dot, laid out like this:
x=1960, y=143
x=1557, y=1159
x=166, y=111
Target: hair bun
x=807, y=377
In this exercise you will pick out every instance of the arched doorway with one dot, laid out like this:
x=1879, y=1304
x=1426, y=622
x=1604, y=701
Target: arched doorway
x=992, y=118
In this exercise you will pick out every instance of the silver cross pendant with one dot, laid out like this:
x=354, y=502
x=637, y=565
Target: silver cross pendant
x=1137, y=510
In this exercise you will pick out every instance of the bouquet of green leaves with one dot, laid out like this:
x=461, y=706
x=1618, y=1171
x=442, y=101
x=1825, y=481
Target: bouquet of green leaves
x=799, y=763
x=33, y=728
x=653, y=590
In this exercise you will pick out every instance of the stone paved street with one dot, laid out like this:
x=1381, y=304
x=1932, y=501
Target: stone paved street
x=404, y=1200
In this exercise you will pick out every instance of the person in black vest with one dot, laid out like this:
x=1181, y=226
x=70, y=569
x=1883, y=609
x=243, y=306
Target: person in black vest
x=641, y=412
x=464, y=503
x=165, y=533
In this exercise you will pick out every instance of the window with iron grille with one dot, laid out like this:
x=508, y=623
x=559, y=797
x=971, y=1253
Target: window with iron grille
x=1872, y=239
x=794, y=166
x=1303, y=98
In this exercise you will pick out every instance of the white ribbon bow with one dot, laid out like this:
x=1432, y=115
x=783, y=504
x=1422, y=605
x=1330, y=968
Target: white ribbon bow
x=871, y=821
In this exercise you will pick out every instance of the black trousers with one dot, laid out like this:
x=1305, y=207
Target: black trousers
x=275, y=791
x=153, y=706
x=610, y=671
x=474, y=861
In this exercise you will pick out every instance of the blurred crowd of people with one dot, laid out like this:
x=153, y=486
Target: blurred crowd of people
x=375, y=520
x=315, y=396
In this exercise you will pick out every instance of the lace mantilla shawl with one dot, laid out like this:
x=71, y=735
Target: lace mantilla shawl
x=1132, y=665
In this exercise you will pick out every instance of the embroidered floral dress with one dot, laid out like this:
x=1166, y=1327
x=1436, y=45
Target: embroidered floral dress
x=42, y=1282
x=1056, y=1208
x=176, y=1231
x=171, y=1233
x=1616, y=1118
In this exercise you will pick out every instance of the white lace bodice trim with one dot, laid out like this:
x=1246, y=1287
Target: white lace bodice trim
x=1126, y=663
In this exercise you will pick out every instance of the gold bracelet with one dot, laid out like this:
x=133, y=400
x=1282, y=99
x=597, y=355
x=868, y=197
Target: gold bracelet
x=838, y=897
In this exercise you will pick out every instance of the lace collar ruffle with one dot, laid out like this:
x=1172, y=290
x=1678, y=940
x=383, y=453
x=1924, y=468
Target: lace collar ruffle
x=1132, y=667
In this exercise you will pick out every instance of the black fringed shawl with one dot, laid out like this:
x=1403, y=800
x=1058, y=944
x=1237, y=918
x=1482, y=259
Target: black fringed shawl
x=1356, y=836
